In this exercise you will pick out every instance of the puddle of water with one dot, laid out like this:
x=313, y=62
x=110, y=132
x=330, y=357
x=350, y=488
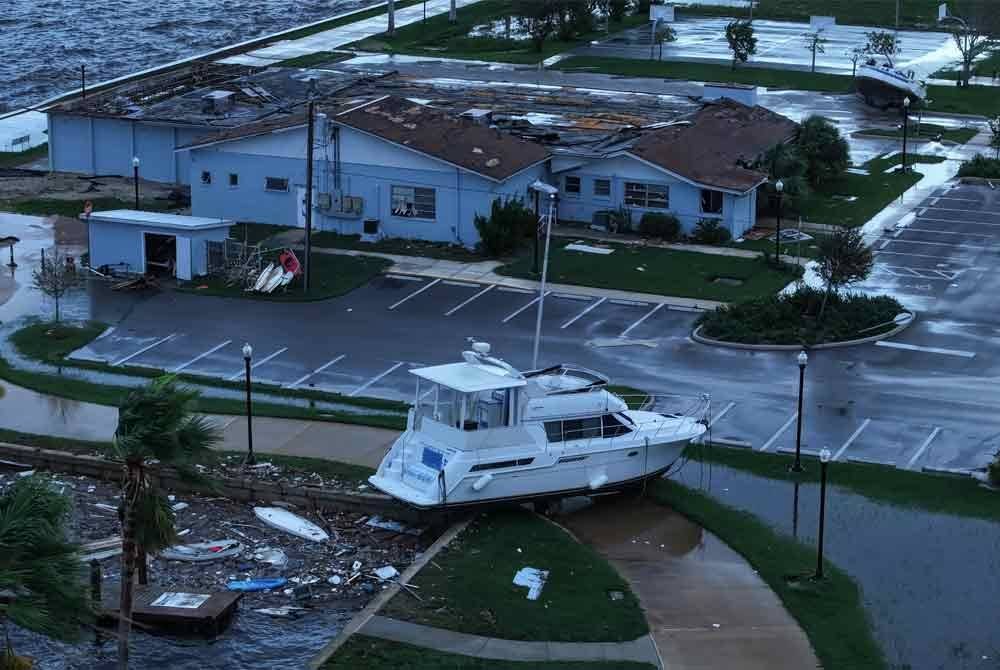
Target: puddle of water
x=29, y=412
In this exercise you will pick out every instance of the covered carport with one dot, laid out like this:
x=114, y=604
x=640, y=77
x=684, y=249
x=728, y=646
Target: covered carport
x=154, y=243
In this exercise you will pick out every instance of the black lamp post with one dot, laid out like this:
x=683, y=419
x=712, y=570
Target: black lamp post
x=803, y=359
x=247, y=355
x=135, y=175
x=824, y=459
x=779, y=188
x=906, y=127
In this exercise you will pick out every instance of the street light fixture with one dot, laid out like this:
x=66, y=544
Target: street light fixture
x=779, y=188
x=803, y=358
x=824, y=459
x=135, y=174
x=906, y=126
x=247, y=355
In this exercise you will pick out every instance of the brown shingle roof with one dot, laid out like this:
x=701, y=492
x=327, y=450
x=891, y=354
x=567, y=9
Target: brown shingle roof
x=718, y=141
x=457, y=140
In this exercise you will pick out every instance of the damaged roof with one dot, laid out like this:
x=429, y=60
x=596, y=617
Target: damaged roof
x=716, y=144
x=454, y=139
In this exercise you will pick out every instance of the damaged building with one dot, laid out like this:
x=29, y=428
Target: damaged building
x=420, y=158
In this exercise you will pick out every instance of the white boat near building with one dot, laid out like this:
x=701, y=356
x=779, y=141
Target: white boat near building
x=481, y=431
x=883, y=85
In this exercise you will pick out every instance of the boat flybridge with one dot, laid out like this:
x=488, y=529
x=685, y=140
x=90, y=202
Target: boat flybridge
x=481, y=431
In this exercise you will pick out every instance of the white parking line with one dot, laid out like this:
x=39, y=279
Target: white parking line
x=201, y=356
x=963, y=222
x=521, y=309
x=884, y=244
x=942, y=232
x=415, y=293
x=468, y=300
x=583, y=313
x=935, y=201
x=514, y=289
x=923, y=448
x=145, y=349
x=784, y=427
x=629, y=303
x=879, y=252
x=242, y=372
x=375, y=379
x=941, y=244
x=463, y=284
x=316, y=371
x=850, y=440
x=643, y=318
x=721, y=414
x=405, y=277
x=953, y=197
x=929, y=350
x=973, y=211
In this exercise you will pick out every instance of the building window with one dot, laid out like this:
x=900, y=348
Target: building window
x=411, y=201
x=711, y=201
x=206, y=177
x=276, y=184
x=572, y=185
x=602, y=188
x=649, y=196
x=234, y=179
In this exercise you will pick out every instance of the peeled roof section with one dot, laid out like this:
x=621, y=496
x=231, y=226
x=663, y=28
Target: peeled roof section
x=459, y=141
x=716, y=146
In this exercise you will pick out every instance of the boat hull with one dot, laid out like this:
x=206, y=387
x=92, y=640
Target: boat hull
x=879, y=89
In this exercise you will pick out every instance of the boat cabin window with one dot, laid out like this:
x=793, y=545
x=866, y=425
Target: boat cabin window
x=466, y=411
x=613, y=427
x=606, y=426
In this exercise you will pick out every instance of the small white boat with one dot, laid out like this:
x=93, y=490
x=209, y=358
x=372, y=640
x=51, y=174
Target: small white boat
x=483, y=432
x=263, y=277
x=882, y=85
x=202, y=552
x=282, y=519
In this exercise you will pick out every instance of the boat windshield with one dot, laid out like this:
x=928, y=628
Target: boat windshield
x=491, y=408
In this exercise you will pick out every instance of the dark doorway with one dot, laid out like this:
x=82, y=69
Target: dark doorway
x=161, y=255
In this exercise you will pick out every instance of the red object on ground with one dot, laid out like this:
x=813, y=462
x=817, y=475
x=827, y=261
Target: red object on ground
x=290, y=262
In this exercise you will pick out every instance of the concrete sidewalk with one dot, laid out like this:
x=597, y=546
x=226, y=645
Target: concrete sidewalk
x=641, y=650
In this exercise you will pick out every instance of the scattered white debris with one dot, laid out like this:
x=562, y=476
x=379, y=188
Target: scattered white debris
x=179, y=506
x=283, y=611
x=388, y=524
x=588, y=249
x=104, y=507
x=715, y=625
x=334, y=580
x=533, y=578
x=356, y=566
x=271, y=556
x=26, y=473
x=386, y=573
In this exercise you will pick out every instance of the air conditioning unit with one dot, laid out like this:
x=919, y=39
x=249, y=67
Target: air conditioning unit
x=324, y=201
x=217, y=102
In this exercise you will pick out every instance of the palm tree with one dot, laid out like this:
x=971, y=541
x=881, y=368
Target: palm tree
x=452, y=12
x=42, y=587
x=156, y=422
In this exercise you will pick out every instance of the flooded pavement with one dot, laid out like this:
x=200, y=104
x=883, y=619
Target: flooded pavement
x=929, y=581
x=41, y=414
x=706, y=606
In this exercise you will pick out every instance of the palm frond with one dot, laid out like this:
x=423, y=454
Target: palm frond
x=154, y=527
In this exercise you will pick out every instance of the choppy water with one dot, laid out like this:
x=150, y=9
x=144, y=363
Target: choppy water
x=44, y=42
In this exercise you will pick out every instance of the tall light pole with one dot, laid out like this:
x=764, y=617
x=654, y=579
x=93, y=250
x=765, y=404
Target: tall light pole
x=824, y=459
x=803, y=359
x=545, y=268
x=906, y=127
x=779, y=188
x=135, y=177
x=247, y=355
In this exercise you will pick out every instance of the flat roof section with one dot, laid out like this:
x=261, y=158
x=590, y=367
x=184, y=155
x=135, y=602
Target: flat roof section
x=467, y=377
x=134, y=217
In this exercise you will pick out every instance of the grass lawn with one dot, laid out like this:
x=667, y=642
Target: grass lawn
x=927, y=130
x=912, y=13
x=438, y=37
x=805, y=249
x=978, y=100
x=947, y=495
x=371, y=653
x=52, y=342
x=686, y=274
x=770, y=77
x=256, y=233
x=13, y=159
x=830, y=612
x=472, y=591
x=332, y=276
x=984, y=67
x=397, y=245
x=74, y=208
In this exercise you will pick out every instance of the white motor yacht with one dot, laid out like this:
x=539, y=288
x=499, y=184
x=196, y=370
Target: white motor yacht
x=882, y=85
x=481, y=431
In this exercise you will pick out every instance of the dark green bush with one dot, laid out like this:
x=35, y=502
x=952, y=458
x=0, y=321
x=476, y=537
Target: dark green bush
x=710, y=231
x=508, y=224
x=993, y=470
x=980, y=166
x=793, y=318
x=658, y=224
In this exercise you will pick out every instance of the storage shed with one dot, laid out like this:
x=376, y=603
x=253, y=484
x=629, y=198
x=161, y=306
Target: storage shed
x=152, y=242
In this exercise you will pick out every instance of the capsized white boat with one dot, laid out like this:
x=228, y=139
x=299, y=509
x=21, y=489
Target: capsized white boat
x=481, y=432
x=882, y=85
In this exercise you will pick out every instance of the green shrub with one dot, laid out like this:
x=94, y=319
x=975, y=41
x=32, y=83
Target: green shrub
x=993, y=470
x=508, y=224
x=710, y=231
x=658, y=224
x=980, y=166
x=825, y=152
x=793, y=318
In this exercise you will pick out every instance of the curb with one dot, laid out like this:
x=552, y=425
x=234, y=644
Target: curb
x=702, y=339
x=920, y=140
x=359, y=620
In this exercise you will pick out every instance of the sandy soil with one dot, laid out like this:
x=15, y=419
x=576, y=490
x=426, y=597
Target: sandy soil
x=68, y=186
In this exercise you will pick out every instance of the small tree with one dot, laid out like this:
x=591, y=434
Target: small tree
x=825, y=152
x=974, y=34
x=995, y=135
x=854, y=55
x=842, y=259
x=663, y=33
x=54, y=277
x=882, y=43
x=538, y=19
x=508, y=224
x=816, y=43
x=742, y=43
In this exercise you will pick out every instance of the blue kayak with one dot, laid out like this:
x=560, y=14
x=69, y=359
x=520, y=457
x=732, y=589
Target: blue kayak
x=257, y=584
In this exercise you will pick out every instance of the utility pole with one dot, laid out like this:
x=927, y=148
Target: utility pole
x=897, y=15
x=310, y=139
x=391, y=5
x=83, y=81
